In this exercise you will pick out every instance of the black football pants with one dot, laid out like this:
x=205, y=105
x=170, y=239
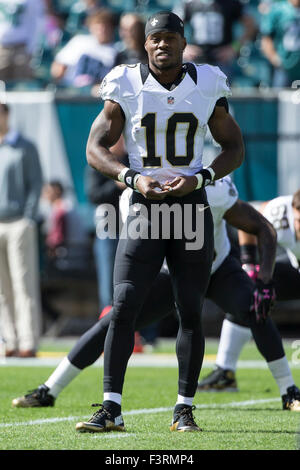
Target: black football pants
x=229, y=287
x=137, y=264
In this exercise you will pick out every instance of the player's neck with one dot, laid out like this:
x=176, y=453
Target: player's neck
x=166, y=76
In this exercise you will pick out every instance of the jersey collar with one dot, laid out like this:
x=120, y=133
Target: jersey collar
x=187, y=68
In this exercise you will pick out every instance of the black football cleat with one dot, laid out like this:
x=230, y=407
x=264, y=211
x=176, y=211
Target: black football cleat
x=183, y=419
x=101, y=421
x=219, y=380
x=291, y=400
x=35, y=398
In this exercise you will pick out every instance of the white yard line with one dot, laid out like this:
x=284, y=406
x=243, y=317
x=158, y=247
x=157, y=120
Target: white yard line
x=138, y=360
x=232, y=404
x=115, y=435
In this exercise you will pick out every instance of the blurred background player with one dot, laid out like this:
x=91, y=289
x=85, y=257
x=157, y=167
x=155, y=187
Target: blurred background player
x=227, y=278
x=284, y=214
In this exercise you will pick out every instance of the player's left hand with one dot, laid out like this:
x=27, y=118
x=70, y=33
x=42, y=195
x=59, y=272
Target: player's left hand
x=264, y=300
x=151, y=188
x=181, y=185
x=252, y=270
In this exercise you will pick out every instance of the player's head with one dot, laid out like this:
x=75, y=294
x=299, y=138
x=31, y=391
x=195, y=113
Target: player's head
x=53, y=190
x=165, y=41
x=296, y=213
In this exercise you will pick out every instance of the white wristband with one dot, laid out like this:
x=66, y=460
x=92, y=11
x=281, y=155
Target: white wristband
x=204, y=181
x=135, y=180
x=200, y=180
x=211, y=172
x=122, y=174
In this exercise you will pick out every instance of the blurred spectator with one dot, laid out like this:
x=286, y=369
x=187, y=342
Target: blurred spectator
x=21, y=24
x=212, y=29
x=78, y=14
x=100, y=192
x=132, y=34
x=20, y=182
x=64, y=227
x=280, y=29
x=87, y=58
x=55, y=34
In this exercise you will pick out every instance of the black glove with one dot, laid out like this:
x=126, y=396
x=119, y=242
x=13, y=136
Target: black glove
x=264, y=300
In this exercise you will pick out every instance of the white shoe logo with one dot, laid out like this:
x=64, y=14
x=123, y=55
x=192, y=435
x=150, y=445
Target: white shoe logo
x=118, y=420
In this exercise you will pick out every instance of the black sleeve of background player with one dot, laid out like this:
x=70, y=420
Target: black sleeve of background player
x=99, y=188
x=221, y=102
x=238, y=11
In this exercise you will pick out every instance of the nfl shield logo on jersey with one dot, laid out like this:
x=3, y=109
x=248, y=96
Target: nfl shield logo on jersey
x=170, y=99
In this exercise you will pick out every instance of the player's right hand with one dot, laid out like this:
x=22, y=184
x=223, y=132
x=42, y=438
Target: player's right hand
x=181, y=185
x=151, y=188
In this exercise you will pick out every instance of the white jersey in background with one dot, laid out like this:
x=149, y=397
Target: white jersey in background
x=165, y=129
x=279, y=212
x=221, y=195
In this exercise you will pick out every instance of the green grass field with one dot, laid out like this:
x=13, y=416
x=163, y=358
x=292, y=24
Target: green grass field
x=251, y=419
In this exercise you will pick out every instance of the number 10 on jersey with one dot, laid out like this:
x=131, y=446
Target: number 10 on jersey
x=149, y=122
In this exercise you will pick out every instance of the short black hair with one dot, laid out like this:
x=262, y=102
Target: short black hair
x=57, y=185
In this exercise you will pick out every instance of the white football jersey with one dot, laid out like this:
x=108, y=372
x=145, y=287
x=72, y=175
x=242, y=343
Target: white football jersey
x=164, y=130
x=279, y=212
x=221, y=195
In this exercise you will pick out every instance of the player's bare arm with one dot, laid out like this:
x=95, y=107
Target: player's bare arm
x=105, y=132
x=244, y=217
x=227, y=133
x=246, y=238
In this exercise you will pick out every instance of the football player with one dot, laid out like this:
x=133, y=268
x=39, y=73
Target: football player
x=284, y=214
x=163, y=109
x=229, y=287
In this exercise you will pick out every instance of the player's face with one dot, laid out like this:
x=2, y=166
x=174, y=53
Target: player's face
x=165, y=50
x=296, y=213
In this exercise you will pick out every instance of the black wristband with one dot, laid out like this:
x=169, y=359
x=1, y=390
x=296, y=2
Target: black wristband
x=129, y=178
x=206, y=178
x=248, y=254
